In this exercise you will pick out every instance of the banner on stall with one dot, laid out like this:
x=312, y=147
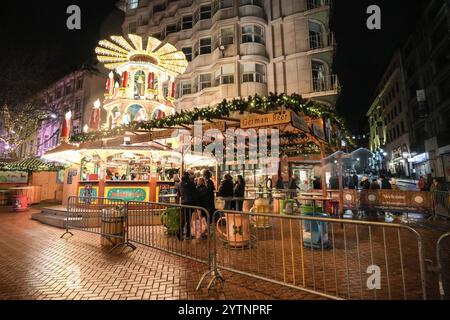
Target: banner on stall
x=128, y=193
x=403, y=201
x=13, y=177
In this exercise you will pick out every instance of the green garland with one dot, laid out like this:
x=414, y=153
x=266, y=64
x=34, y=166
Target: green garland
x=254, y=104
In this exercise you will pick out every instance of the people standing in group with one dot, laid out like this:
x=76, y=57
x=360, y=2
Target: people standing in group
x=365, y=183
x=239, y=192
x=226, y=190
x=189, y=197
x=385, y=185
x=334, y=182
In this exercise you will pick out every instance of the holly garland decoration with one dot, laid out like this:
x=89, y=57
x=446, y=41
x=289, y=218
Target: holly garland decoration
x=253, y=104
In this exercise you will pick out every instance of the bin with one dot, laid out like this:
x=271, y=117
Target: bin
x=19, y=203
x=315, y=233
x=112, y=227
x=171, y=220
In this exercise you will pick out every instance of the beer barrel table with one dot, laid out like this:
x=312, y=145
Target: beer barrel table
x=112, y=226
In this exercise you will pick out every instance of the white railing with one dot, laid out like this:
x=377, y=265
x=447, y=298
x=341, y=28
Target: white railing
x=325, y=83
x=320, y=40
x=314, y=4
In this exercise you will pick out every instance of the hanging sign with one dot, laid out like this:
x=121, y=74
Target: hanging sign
x=265, y=120
x=299, y=122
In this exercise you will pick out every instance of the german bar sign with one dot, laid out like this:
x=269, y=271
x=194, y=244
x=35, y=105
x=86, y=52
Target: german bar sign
x=264, y=120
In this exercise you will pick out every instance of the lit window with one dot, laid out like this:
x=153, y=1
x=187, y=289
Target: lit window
x=224, y=75
x=252, y=33
x=203, y=46
x=204, y=81
x=253, y=73
x=224, y=37
x=186, y=87
x=133, y=4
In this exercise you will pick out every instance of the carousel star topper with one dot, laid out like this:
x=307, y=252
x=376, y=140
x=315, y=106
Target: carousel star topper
x=118, y=52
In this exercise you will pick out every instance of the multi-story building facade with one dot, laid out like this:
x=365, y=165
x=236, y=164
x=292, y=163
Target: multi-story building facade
x=238, y=48
x=76, y=92
x=427, y=74
x=387, y=116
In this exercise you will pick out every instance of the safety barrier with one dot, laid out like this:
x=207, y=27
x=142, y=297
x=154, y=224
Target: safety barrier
x=102, y=216
x=335, y=258
x=441, y=204
x=442, y=263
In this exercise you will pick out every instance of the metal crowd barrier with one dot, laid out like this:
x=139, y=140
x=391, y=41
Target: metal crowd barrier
x=167, y=227
x=102, y=216
x=441, y=203
x=334, y=258
x=442, y=263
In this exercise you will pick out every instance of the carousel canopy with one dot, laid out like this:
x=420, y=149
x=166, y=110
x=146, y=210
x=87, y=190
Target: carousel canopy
x=119, y=52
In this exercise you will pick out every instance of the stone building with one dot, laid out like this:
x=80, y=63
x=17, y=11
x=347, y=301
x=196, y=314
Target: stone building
x=238, y=48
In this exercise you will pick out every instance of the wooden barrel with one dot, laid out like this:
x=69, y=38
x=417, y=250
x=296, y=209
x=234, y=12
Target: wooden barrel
x=4, y=197
x=112, y=228
x=20, y=203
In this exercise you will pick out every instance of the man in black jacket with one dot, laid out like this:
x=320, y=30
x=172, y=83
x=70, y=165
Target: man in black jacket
x=189, y=197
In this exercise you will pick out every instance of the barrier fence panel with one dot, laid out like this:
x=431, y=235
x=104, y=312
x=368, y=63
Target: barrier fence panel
x=441, y=203
x=102, y=216
x=335, y=258
x=443, y=263
x=178, y=229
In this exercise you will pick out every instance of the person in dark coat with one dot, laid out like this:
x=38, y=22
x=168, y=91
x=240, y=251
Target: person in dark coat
x=334, y=182
x=189, y=197
x=355, y=180
x=226, y=190
x=239, y=192
x=365, y=183
x=280, y=183
x=211, y=188
x=385, y=184
x=292, y=186
x=317, y=183
x=375, y=185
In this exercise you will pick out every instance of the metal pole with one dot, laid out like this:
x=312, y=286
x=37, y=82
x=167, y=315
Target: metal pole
x=341, y=187
x=324, y=180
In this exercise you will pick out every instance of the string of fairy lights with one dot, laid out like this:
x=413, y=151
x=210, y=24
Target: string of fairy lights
x=253, y=104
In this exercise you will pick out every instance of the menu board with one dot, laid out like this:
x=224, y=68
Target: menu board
x=13, y=177
x=128, y=193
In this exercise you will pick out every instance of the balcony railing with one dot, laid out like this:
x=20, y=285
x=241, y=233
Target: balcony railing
x=320, y=40
x=325, y=83
x=314, y=4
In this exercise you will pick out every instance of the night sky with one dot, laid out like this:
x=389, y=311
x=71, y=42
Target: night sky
x=34, y=28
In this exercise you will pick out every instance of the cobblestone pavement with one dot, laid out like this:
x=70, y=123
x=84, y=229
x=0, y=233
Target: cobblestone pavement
x=36, y=264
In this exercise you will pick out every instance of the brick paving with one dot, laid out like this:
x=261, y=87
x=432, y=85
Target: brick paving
x=36, y=264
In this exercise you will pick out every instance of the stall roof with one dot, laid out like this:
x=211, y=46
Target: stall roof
x=30, y=164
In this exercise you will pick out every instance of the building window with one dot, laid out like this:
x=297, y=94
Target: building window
x=132, y=27
x=203, y=46
x=157, y=36
x=186, y=87
x=258, y=3
x=224, y=75
x=159, y=8
x=221, y=4
x=171, y=29
x=133, y=4
x=187, y=52
x=68, y=90
x=79, y=84
x=224, y=37
x=253, y=73
x=186, y=22
x=204, y=81
x=403, y=127
x=202, y=13
x=252, y=33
